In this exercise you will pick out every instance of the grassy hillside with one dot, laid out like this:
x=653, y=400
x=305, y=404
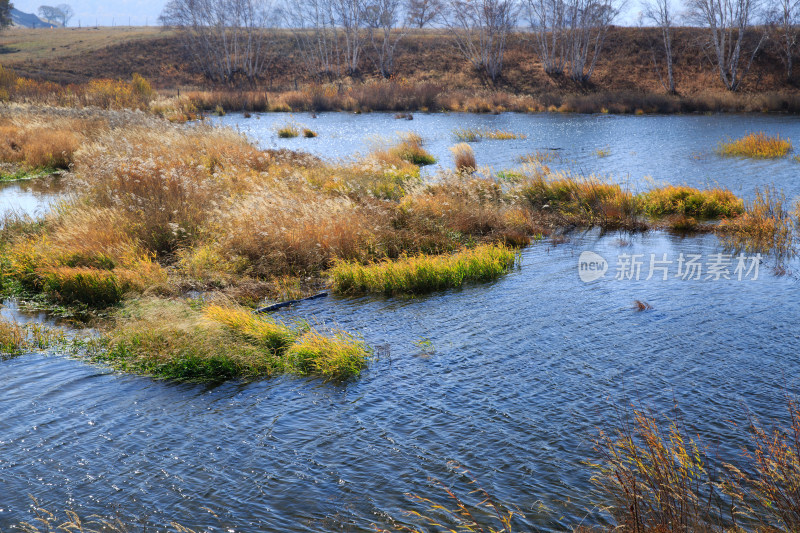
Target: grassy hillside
x=77, y=55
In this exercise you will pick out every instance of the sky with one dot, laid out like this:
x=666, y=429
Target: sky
x=106, y=13
x=141, y=12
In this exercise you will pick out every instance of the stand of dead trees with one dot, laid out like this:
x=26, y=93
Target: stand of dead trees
x=233, y=39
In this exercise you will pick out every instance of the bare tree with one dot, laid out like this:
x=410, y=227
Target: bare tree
x=589, y=21
x=660, y=13
x=50, y=13
x=571, y=33
x=66, y=13
x=328, y=33
x=422, y=12
x=316, y=35
x=382, y=18
x=349, y=16
x=729, y=21
x=227, y=38
x=5, y=13
x=480, y=29
x=784, y=19
x=547, y=19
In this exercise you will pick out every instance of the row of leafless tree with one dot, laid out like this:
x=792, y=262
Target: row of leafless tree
x=231, y=38
x=738, y=30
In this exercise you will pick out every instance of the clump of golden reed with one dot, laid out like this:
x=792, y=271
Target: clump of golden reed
x=756, y=145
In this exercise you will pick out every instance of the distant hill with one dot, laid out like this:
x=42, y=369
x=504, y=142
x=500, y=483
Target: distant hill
x=29, y=20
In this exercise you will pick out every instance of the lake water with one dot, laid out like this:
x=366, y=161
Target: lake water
x=509, y=379
x=642, y=150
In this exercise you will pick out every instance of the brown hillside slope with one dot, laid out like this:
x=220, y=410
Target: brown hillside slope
x=625, y=66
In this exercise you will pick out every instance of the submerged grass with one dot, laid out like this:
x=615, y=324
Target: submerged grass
x=766, y=225
x=423, y=273
x=476, y=134
x=756, y=145
x=176, y=340
x=18, y=338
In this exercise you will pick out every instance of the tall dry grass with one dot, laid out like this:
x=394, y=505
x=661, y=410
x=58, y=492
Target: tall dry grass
x=464, y=158
x=105, y=93
x=39, y=146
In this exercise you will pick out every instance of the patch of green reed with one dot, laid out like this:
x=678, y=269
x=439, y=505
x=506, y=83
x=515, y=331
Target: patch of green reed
x=410, y=149
x=21, y=174
x=756, y=145
x=424, y=273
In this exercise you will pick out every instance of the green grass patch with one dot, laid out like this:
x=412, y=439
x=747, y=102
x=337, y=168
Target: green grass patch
x=309, y=134
x=23, y=173
x=178, y=341
x=424, y=273
x=289, y=131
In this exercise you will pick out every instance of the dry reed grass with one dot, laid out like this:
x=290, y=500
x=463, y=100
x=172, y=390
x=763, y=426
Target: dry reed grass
x=765, y=226
x=464, y=158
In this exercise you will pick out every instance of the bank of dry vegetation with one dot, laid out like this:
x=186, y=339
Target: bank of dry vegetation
x=429, y=73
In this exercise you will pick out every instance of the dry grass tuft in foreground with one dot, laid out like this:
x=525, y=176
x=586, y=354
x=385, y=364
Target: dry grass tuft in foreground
x=422, y=273
x=756, y=145
x=655, y=476
x=464, y=158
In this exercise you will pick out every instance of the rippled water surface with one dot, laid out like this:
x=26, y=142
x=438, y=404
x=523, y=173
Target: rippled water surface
x=516, y=379
x=678, y=149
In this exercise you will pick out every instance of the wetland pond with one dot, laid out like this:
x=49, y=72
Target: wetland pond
x=509, y=379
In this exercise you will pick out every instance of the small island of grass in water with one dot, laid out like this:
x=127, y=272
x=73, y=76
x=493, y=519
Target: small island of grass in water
x=756, y=145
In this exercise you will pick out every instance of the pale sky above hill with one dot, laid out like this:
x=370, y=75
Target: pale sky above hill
x=141, y=12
